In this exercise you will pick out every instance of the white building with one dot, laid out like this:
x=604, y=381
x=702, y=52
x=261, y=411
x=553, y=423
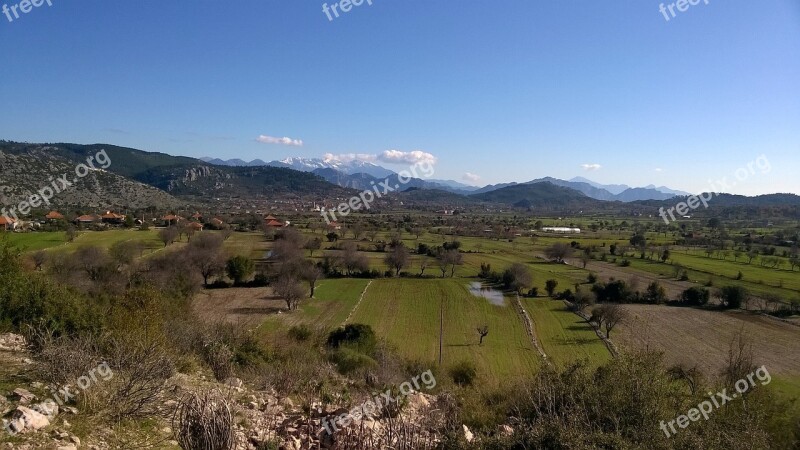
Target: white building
x=561, y=230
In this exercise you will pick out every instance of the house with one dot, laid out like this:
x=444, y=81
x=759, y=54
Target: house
x=216, y=224
x=334, y=226
x=195, y=226
x=272, y=221
x=171, y=219
x=7, y=224
x=87, y=219
x=53, y=216
x=113, y=218
x=197, y=216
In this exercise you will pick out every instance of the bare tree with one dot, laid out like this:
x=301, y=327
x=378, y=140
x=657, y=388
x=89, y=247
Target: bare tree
x=313, y=244
x=558, y=252
x=352, y=260
x=397, y=258
x=168, y=235
x=39, y=258
x=310, y=273
x=205, y=254
x=611, y=314
x=287, y=287
x=483, y=331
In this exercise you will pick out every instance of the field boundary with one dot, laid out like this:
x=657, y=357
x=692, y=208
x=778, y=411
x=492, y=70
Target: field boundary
x=526, y=320
x=353, y=311
x=609, y=345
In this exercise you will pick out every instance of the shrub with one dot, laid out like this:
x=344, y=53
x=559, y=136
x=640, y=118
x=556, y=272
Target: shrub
x=463, y=373
x=592, y=278
x=695, y=296
x=732, y=297
x=348, y=360
x=356, y=336
x=300, y=332
x=204, y=421
x=550, y=287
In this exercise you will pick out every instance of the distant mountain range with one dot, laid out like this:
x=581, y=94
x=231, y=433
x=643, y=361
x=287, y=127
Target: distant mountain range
x=141, y=179
x=359, y=174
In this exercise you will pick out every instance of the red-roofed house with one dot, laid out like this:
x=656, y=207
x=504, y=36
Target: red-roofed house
x=87, y=219
x=113, y=218
x=54, y=215
x=8, y=224
x=171, y=219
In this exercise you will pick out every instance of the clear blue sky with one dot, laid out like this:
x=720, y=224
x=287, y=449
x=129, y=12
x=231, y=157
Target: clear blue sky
x=508, y=90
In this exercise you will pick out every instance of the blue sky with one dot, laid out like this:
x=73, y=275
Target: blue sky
x=509, y=91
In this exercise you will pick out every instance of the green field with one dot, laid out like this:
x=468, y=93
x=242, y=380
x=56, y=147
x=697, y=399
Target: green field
x=564, y=336
x=332, y=303
x=407, y=313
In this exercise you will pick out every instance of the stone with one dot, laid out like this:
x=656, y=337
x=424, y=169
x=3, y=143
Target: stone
x=22, y=396
x=25, y=419
x=468, y=434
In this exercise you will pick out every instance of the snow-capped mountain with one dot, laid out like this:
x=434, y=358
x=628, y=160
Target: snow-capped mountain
x=310, y=165
x=346, y=167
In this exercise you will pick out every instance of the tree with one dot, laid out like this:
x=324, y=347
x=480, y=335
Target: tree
x=352, y=260
x=397, y=258
x=39, y=258
x=448, y=260
x=733, y=297
x=423, y=264
x=550, y=287
x=752, y=254
x=655, y=294
x=332, y=237
x=71, y=233
x=310, y=273
x=483, y=331
x=313, y=244
x=287, y=287
x=695, y=296
x=558, y=252
x=518, y=278
x=665, y=255
x=611, y=314
x=582, y=300
x=240, y=268
x=205, y=254
x=124, y=252
x=168, y=235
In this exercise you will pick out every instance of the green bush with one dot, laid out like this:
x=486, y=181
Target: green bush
x=300, y=332
x=348, y=360
x=356, y=336
x=463, y=373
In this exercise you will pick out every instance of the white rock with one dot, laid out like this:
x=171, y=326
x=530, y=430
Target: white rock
x=468, y=434
x=31, y=420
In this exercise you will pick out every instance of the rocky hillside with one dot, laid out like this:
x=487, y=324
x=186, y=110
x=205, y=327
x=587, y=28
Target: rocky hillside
x=261, y=418
x=42, y=168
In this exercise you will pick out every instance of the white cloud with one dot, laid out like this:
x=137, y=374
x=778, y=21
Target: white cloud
x=659, y=169
x=471, y=177
x=347, y=157
x=591, y=167
x=264, y=139
x=413, y=157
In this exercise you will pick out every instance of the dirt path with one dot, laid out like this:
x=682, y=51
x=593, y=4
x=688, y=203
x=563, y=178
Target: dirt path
x=349, y=316
x=526, y=320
